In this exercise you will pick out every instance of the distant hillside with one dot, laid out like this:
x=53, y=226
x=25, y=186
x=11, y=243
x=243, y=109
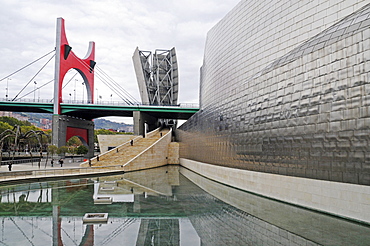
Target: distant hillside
x=107, y=124
x=35, y=118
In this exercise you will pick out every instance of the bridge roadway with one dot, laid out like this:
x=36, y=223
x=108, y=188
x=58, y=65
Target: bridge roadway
x=92, y=111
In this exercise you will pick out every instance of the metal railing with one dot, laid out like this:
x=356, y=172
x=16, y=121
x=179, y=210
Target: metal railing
x=20, y=161
x=27, y=100
x=99, y=102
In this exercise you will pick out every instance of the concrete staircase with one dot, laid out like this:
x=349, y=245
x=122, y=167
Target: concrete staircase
x=124, y=153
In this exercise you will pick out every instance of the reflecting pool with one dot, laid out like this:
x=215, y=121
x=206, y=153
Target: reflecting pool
x=162, y=206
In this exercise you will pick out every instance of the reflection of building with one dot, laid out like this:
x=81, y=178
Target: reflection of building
x=111, y=191
x=37, y=195
x=218, y=223
x=159, y=232
x=168, y=209
x=134, y=196
x=284, y=96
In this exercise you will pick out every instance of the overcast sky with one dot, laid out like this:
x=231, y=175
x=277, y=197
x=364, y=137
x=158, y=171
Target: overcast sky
x=27, y=32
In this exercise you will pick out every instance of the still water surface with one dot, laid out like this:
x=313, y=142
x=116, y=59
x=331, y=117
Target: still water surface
x=162, y=206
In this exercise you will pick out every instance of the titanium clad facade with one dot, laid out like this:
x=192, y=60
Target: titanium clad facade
x=285, y=89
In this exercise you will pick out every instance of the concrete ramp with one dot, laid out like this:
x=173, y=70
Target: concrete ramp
x=142, y=153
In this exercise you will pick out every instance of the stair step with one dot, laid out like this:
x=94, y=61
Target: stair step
x=129, y=152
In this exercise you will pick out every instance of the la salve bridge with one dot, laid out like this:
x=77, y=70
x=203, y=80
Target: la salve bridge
x=157, y=77
x=102, y=109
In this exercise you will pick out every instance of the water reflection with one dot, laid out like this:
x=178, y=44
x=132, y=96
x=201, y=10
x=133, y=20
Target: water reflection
x=162, y=206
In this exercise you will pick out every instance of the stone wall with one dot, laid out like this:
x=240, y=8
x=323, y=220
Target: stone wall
x=340, y=199
x=154, y=156
x=173, y=153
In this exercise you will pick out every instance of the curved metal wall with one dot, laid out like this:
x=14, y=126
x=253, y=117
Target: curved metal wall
x=304, y=112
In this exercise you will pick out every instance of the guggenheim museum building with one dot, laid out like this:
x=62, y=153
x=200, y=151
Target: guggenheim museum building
x=285, y=104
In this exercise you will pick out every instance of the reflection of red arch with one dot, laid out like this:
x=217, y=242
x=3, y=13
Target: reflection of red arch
x=87, y=239
x=65, y=60
x=74, y=131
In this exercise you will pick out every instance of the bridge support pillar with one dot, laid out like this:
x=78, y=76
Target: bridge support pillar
x=144, y=123
x=65, y=127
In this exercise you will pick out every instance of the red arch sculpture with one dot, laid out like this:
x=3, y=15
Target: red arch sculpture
x=65, y=60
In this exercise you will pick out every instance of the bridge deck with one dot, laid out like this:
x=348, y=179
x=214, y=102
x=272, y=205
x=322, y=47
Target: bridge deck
x=92, y=111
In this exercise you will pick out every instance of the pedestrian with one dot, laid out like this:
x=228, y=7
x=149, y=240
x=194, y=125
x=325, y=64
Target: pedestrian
x=61, y=162
x=132, y=142
x=52, y=162
x=97, y=158
x=10, y=167
x=90, y=162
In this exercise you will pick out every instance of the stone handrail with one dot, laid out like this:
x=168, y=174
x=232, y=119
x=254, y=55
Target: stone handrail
x=114, y=150
x=58, y=172
x=153, y=160
x=152, y=133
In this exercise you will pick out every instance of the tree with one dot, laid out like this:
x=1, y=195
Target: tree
x=29, y=128
x=82, y=150
x=5, y=126
x=74, y=141
x=62, y=150
x=13, y=121
x=72, y=150
x=52, y=149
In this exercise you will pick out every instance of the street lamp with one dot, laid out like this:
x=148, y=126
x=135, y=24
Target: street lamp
x=111, y=102
x=75, y=90
x=83, y=92
x=7, y=88
x=34, y=91
x=97, y=95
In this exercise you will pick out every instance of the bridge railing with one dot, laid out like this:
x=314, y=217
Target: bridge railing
x=20, y=161
x=121, y=103
x=27, y=100
x=99, y=102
